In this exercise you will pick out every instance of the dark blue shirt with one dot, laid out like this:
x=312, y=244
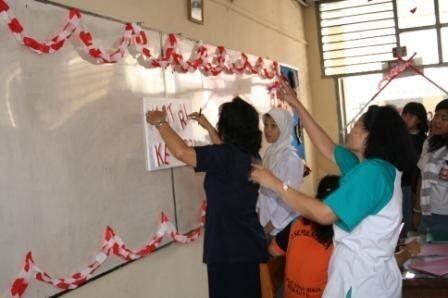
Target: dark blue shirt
x=232, y=230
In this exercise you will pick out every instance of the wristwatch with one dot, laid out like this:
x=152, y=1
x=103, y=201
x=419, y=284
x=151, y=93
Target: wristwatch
x=285, y=187
x=160, y=123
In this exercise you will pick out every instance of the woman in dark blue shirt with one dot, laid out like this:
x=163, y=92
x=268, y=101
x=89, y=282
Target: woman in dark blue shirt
x=234, y=241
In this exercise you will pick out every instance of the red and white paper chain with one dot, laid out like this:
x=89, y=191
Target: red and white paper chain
x=100, y=56
x=401, y=66
x=134, y=37
x=112, y=245
x=52, y=46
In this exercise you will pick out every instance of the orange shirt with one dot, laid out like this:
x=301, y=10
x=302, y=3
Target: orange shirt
x=306, y=263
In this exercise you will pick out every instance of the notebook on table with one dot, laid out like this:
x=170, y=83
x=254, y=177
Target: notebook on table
x=437, y=267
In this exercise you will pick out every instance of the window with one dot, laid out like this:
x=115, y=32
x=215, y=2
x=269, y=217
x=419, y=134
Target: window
x=415, y=13
x=422, y=42
x=358, y=90
x=357, y=58
x=357, y=37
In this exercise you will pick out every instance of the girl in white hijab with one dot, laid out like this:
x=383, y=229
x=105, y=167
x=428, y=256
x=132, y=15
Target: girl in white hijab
x=282, y=159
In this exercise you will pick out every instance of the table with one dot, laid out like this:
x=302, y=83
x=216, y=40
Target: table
x=417, y=284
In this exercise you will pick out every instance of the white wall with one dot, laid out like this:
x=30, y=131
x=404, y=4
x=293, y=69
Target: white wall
x=172, y=272
x=267, y=28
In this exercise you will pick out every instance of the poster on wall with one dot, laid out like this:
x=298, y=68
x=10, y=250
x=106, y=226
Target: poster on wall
x=157, y=154
x=292, y=76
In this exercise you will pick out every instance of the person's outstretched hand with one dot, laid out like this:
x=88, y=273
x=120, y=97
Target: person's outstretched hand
x=155, y=117
x=286, y=93
x=263, y=176
x=200, y=118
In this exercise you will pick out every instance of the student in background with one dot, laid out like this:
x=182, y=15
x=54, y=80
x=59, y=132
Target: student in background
x=433, y=164
x=308, y=247
x=234, y=241
x=366, y=209
x=282, y=159
x=414, y=115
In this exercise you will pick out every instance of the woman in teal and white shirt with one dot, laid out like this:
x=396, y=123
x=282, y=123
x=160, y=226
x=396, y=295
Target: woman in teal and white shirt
x=366, y=210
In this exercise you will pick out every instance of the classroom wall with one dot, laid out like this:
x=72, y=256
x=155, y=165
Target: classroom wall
x=266, y=28
x=172, y=272
x=272, y=29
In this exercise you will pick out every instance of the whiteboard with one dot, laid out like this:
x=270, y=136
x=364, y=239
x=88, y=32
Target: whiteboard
x=177, y=110
x=73, y=149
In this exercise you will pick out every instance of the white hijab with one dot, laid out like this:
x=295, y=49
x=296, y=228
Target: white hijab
x=283, y=146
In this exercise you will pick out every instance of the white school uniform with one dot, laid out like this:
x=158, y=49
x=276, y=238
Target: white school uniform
x=368, y=204
x=282, y=159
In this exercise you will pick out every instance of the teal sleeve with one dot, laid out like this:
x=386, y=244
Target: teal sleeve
x=345, y=159
x=363, y=192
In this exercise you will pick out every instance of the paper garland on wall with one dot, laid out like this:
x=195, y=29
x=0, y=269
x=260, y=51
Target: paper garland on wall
x=136, y=41
x=112, y=245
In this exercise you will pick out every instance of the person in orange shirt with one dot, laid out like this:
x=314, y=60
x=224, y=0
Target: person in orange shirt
x=308, y=247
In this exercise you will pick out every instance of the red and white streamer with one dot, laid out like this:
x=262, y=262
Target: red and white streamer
x=398, y=69
x=53, y=45
x=112, y=245
x=100, y=56
x=135, y=39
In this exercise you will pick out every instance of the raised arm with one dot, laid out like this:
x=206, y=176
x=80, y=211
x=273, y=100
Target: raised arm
x=175, y=144
x=204, y=123
x=317, y=135
x=309, y=207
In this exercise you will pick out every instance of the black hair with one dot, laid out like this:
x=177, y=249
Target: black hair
x=324, y=233
x=239, y=125
x=388, y=137
x=438, y=141
x=417, y=109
